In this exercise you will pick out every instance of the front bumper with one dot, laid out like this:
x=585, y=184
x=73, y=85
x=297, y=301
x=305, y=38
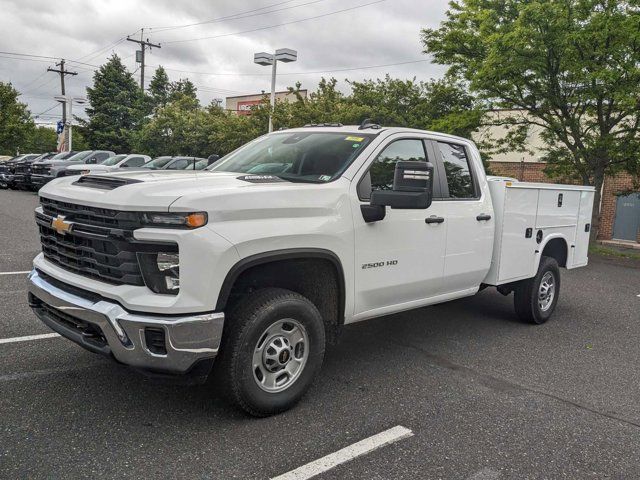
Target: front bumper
x=22, y=179
x=37, y=179
x=105, y=327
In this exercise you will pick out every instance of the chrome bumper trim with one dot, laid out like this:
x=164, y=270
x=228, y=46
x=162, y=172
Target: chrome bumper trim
x=189, y=339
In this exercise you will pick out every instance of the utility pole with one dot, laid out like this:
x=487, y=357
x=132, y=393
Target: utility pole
x=143, y=44
x=62, y=73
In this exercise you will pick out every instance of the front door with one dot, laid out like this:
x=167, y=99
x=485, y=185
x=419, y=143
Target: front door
x=627, y=221
x=398, y=260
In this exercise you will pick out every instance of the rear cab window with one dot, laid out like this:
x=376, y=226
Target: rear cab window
x=460, y=180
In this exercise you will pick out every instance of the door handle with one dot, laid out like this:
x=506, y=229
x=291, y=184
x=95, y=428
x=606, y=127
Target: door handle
x=483, y=217
x=433, y=219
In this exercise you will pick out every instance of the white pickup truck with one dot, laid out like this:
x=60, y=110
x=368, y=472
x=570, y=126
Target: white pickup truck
x=260, y=259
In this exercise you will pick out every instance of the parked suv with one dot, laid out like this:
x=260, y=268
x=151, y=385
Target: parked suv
x=46, y=171
x=132, y=160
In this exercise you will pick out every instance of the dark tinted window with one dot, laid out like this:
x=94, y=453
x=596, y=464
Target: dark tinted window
x=157, y=163
x=457, y=170
x=179, y=164
x=383, y=168
x=134, y=162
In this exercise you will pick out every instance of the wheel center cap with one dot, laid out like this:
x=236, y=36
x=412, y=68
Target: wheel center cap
x=284, y=356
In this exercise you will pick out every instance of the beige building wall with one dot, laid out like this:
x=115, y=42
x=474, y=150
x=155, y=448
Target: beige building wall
x=534, y=144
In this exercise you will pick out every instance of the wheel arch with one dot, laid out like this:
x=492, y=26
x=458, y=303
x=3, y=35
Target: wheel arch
x=263, y=261
x=555, y=246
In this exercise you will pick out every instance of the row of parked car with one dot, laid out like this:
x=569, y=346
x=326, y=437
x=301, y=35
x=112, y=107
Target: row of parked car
x=31, y=171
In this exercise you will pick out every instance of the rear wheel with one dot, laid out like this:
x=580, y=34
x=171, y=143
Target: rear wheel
x=535, y=299
x=272, y=349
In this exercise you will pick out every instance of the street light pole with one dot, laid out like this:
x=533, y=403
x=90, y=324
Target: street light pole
x=273, y=94
x=285, y=55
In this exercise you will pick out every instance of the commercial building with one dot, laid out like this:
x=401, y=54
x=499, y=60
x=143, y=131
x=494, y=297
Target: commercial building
x=620, y=204
x=242, y=105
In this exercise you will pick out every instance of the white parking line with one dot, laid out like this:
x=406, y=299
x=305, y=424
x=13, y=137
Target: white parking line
x=15, y=273
x=351, y=452
x=28, y=338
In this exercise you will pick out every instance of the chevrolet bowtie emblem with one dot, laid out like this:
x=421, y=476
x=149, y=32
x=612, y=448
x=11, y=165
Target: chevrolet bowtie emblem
x=60, y=225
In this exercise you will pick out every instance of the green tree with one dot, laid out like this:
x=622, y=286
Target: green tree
x=42, y=139
x=178, y=128
x=571, y=67
x=183, y=87
x=117, y=107
x=16, y=126
x=159, y=88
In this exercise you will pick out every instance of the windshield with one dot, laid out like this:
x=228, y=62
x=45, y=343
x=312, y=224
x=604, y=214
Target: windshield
x=157, y=163
x=80, y=156
x=300, y=156
x=113, y=160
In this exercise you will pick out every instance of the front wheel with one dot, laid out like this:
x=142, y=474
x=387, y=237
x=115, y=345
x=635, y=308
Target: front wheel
x=535, y=299
x=272, y=349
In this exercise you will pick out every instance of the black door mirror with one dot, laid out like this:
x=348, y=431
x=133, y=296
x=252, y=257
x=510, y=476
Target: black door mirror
x=412, y=187
x=211, y=159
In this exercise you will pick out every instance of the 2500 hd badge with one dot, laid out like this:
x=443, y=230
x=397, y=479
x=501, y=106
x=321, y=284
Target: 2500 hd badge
x=388, y=263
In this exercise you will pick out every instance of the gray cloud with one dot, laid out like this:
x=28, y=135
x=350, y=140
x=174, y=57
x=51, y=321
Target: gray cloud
x=383, y=33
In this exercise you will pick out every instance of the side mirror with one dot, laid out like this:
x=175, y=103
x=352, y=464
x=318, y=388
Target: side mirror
x=412, y=187
x=212, y=159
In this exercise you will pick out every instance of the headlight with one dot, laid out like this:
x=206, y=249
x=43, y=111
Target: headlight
x=161, y=271
x=183, y=220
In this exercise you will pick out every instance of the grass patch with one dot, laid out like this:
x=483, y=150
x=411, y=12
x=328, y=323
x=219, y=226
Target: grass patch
x=613, y=252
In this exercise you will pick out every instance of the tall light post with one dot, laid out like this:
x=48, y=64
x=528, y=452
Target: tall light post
x=285, y=55
x=68, y=101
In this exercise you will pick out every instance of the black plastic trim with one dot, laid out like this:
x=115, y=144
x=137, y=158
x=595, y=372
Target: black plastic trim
x=277, y=255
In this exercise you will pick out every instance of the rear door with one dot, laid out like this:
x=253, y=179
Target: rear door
x=398, y=260
x=469, y=216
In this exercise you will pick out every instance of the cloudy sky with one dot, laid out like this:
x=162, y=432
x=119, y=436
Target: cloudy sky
x=212, y=42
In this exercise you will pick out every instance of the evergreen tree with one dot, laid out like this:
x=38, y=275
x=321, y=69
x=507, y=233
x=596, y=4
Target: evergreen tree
x=159, y=88
x=117, y=107
x=183, y=87
x=16, y=126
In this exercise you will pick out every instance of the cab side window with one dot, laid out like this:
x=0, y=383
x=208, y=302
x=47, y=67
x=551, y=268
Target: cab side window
x=134, y=162
x=381, y=172
x=457, y=170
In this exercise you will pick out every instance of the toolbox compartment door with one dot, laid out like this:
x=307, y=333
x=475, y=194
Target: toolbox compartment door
x=581, y=249
x=517, y=251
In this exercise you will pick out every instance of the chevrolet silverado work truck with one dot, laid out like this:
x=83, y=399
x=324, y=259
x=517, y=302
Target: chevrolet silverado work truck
x=258, y=261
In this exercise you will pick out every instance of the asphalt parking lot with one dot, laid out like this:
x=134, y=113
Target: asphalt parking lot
x=485, y=397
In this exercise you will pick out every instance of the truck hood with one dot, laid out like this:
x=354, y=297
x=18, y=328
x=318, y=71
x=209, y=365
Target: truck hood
x=165, y=190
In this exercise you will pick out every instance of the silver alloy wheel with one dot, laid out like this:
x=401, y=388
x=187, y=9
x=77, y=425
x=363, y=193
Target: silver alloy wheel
x=280, y=355
x=547, y=291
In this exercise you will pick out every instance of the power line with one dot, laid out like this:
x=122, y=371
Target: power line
x=273, y=26
x=314, y=72
x=28, y=55
x=238, y=16
x=47, y=110
x=26, y=59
